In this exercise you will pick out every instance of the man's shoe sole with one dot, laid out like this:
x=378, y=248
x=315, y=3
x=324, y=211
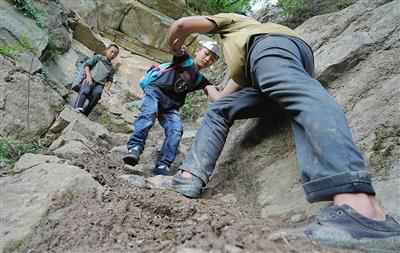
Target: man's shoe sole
x=157, y=172
x=187, y=191
x=130, y=160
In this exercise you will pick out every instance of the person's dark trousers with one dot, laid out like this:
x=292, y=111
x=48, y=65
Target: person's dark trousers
x=281, y=70
x=92, y=93
x=156, y=105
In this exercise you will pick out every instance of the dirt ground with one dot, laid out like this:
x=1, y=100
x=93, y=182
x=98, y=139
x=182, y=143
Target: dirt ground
x=129, y=219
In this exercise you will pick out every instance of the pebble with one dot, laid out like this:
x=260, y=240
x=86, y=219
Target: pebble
x=297, y=218
x=134, y=180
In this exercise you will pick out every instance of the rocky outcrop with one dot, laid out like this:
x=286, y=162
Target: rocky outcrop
x=59, y=33
x=20, y=32
x=61, y=68
x=139, y=26
x=43, y=179
x=171, y=8
x=78, y=135
x=27, y=103
x=271, y=12
x=357, y=58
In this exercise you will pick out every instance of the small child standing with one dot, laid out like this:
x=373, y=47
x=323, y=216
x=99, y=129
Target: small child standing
x=162, y=99
x=98, y=73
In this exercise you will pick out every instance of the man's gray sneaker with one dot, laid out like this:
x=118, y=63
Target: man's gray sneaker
x=132, y=158
x=162, y=170
x=188, y=187
x=343, y=227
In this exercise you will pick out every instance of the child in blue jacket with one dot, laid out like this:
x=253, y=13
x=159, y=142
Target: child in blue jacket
x=162, y=99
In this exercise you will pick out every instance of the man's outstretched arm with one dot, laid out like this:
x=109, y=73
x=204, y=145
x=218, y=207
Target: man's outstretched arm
x=183, y=27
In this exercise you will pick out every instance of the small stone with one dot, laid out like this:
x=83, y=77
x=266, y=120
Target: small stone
x=297, y=218
x=190, y=250
x=277, y=236
x=203, y=218
x=159, y=182
x=134, y=180
x=229, y=198
x=189, y=134
x=232, y=249
x=136, y=170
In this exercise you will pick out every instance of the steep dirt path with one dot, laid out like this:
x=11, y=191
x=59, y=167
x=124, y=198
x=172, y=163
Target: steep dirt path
x=129, y=219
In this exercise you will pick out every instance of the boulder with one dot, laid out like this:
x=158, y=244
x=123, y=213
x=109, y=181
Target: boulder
x=86, y=10
x=84, y=34
x=59, y=35
x=61, y=68
x=17, y=88
x=17, y=30
x=27, y=197
x=79, y=135
x=171, y=8
x=138, y=28
x=28, y=161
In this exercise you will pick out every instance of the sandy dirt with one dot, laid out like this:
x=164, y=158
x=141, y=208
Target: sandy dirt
x=124, y=218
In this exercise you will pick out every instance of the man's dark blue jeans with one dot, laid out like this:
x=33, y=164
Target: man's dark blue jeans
x=92, y=93
x=281, y=69
x=157, y=105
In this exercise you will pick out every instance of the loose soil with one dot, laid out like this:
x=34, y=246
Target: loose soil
x=124, y=218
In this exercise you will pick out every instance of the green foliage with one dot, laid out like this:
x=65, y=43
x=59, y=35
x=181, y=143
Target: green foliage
x=218, y=6
x=187, y=109
x=194, y=106
x=30, y=10
x=304, y=9
x=114, y=124
x=341, y=4
x=11, y=150
x=292, y=8
x=11, y=50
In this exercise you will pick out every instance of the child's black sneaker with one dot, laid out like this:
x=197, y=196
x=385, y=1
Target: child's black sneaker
x=132, y=158
x=161, y=169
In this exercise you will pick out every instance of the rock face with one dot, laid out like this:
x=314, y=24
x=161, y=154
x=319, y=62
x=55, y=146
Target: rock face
x=271, y=12
x=357, y=58
x=61, y=67
x=15, y=115
x=43, y=178
x=140, y=26
x=79, y=135
x=18, y=30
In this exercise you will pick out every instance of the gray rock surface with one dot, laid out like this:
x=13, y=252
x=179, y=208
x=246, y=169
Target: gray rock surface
x=26, y=197
x=134, y=180
x=29, y=161
x=16, y=28
x=77, y=135
x=357, y=58
x=44, y=102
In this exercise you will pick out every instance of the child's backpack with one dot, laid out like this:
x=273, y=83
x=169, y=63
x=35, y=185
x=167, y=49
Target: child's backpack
x=155, y=71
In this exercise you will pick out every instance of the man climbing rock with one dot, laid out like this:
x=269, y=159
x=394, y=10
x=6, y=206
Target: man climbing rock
x=270, y=62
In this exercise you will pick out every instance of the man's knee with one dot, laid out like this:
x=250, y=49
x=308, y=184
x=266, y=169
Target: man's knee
x=220, y=111
x=96, y=94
